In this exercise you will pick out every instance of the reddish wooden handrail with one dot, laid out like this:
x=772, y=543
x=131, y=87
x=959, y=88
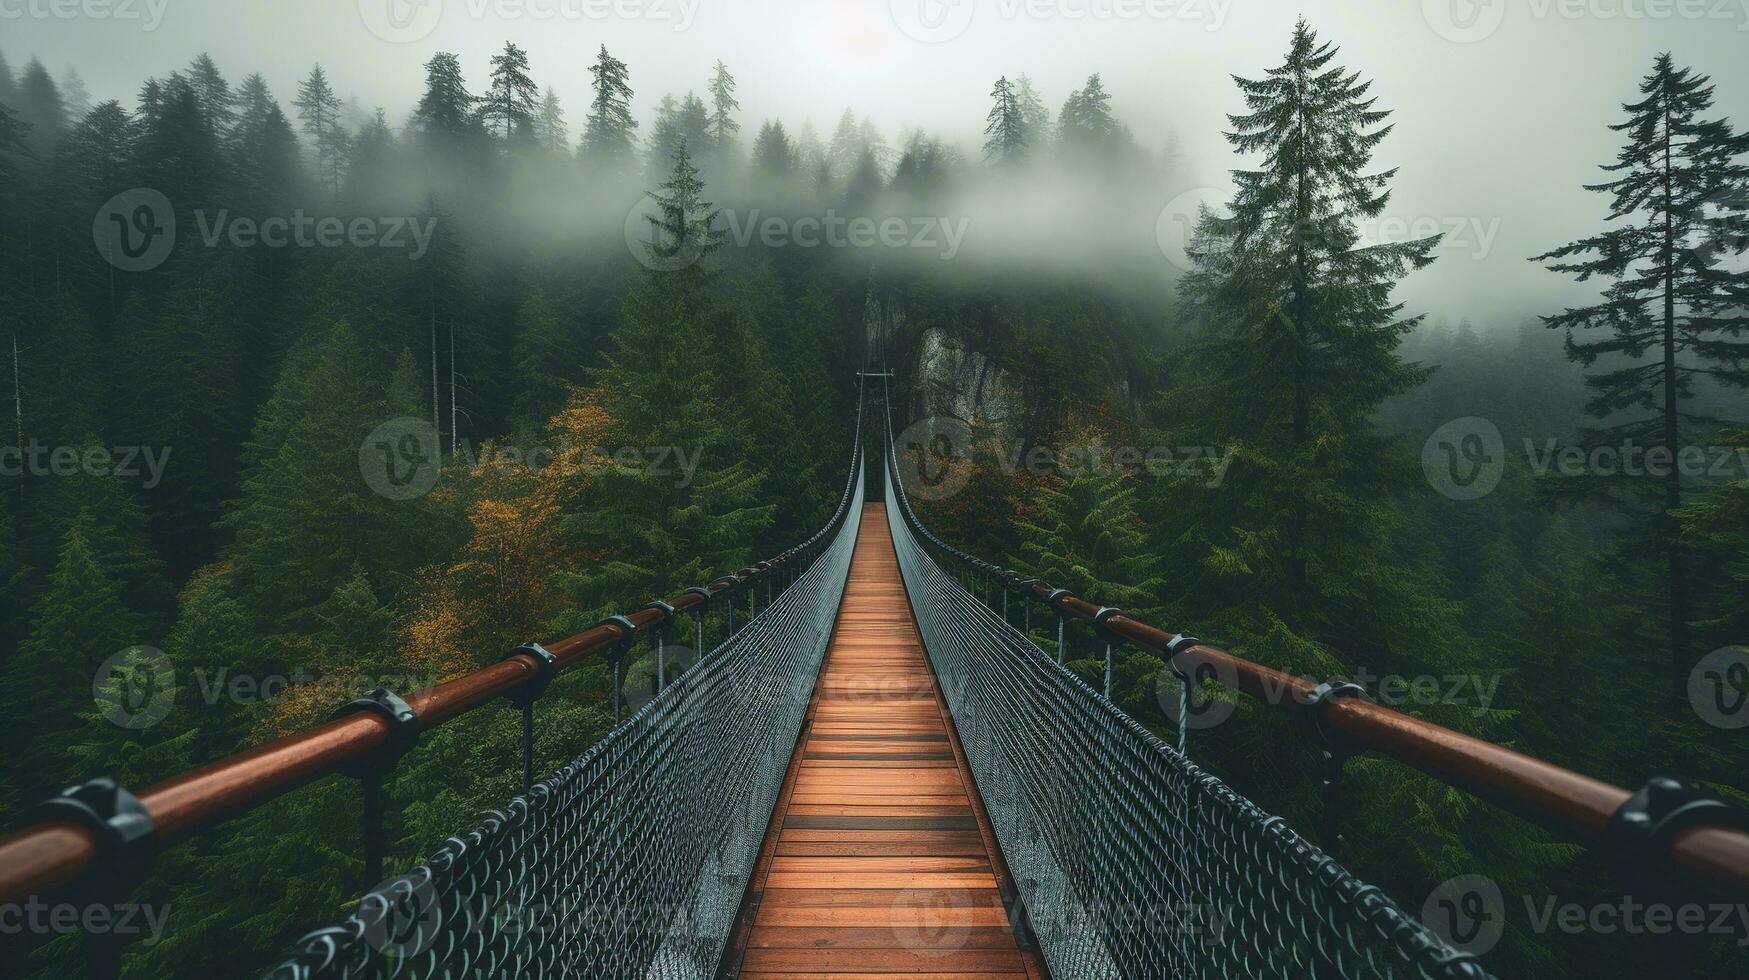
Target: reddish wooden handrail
x=1569, y=803
x=43, y=857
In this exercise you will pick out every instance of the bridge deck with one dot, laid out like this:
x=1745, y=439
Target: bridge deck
x=878, y=862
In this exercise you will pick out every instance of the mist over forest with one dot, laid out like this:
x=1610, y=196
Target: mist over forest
x=343, y=351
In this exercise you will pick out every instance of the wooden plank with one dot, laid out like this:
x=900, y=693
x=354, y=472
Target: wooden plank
x=876, y=864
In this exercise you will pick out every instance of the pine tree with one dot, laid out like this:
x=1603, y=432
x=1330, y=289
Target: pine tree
x=214, y=94
x=306, y=514
x=1033, y=112
x=723, y=126
x=76, y=624
x=1085, y=124
x=319, y=108
x=772, y=155
x=1005, y=127
x=1286, y=275
x=656, y=527
x=684, y=228
x=75, y=95
x=40, y=106
x=510, y=98
x=607, y=135
x=445, y=114
x=550, y=132
x=845, y=146
x=1681, y=178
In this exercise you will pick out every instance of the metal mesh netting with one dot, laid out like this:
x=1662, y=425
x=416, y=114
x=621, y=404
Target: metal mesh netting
x=631, y=861
x=1130, y=860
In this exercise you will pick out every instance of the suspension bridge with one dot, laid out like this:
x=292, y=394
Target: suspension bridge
x=877, y=769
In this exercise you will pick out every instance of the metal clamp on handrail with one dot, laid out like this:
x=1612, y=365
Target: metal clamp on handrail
x=1641, y=831
x=616, y=655
x=546, y=667
x=126, y=837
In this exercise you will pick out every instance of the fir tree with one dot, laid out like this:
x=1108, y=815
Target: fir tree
x=772, y=155
x=1005, y=127
x=724, y=105
x=75, y=95
x=319, y=108
x=550, y=132
x=1297, y=301
x=1681, y=177
x=509, y=101
x=445, y=114
x=76, y=624
x=214, y=94
x=607, y=135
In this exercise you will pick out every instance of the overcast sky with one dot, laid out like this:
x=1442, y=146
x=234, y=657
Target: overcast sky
x=1501, y=105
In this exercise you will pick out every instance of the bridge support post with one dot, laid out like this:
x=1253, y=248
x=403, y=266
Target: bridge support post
x=667, y=612
x=1062, y=621
x=127, y=841
x=1099, y=620
x=616, y=655
x=403, y=735
x=698, y=614
x=546, y=665
x=1337, y=752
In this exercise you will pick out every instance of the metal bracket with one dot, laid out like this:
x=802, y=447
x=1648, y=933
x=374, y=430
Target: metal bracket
x=1337, y=752
x=1177, y=645
x=702, y=592
x=403, y=728
x=126, y=837
x=628, y=631
x=1099, y=618
x=1638, y=836
x=1057, y=594
x=546, y=668
x=666, y=610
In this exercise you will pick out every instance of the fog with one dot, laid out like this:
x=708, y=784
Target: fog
x=1500, y=109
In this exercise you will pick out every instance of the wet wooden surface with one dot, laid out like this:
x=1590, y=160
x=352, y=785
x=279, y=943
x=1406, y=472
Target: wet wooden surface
x=877, y=866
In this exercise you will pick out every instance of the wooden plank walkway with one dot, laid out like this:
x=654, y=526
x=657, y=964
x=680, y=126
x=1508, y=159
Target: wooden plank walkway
x=878, y=863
